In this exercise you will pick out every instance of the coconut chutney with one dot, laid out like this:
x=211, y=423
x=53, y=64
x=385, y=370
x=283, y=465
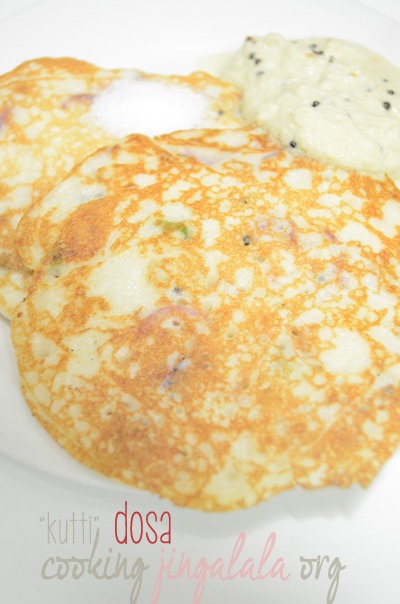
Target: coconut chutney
x=331, y=99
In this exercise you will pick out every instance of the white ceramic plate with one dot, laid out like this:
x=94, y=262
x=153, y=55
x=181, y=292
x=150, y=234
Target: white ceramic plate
x=173, y=36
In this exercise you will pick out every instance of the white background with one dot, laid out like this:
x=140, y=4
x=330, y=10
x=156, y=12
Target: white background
x=36, y=478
